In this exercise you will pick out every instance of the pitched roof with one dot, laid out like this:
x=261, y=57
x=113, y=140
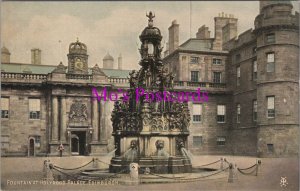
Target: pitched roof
x=45, y=69
x=194, y=44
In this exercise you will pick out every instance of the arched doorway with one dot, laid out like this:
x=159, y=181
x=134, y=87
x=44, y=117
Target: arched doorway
x=78, y=143
x=31, y=151
x=75, y=144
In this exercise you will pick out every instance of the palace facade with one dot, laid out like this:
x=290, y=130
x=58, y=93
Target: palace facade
x=252, y=81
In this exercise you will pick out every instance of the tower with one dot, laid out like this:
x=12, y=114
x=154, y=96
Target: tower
x=77, y=58
x=5, y=55
x=108, y=61
x=277, y=32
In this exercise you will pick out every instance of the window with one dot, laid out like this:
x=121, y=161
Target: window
x=34, y=108
x=254, y=50
x=254, y=110
x=270, y=62
x=238, y=75
x=4, y=107
x=217, y=77
x=4, y=141
x=194, y=60
x=254, y=74
x=217, y=61
x=197, y=112
x=221, y=141
x=270, y=148
x=271, y=107
x=38, y=141
x=237, y=58
x=221, y=113
x=238, y=113
x=197, y=141
x=194, y=76
x=270, y=38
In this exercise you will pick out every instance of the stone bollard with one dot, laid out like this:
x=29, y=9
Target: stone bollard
x=221, y=166
x=95, y=163
x=230, y=176
x=258, y=170
x=48, y=170
x=134, y=173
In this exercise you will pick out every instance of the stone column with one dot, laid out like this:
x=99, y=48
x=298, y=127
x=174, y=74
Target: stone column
x=63, y=120
x=103, y=122
x=54, y=119
x=95, y=120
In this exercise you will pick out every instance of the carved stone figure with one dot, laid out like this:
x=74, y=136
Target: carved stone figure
x=160, y=152
x=132, y=154
x=78, y=112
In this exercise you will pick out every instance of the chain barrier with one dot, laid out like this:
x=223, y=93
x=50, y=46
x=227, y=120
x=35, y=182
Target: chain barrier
x=249, y=173
x=73, y=168
x=185, y=178
x=209, y=163
x=111, y=176
x=102, y=161
x=73, y=176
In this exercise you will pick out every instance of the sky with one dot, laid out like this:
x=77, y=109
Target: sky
x=107, y=26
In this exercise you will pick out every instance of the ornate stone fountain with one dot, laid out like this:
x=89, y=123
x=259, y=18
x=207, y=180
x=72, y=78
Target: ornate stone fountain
x=151, y=132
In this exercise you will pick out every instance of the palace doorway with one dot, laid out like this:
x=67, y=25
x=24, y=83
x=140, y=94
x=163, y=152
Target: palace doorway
x=78, y=142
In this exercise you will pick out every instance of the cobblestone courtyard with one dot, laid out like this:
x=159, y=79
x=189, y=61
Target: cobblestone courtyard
x=269, y=178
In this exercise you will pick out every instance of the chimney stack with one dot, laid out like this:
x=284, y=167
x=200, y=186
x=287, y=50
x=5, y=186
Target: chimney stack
x=173, y=36
x=120, y=62
x=203, y=33
x=36, y=56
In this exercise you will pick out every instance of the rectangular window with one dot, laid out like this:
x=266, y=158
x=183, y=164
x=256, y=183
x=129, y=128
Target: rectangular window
x=254, y=110
x=194, y=60
x=4, y=107
x=237, y=58
x=271, y=106
x=217, y=61
x=238, y=113
x=197, y=141
x=270, y=62
x=238, y=75
x=194, y=76
x=270, y=38
x=217, y=77
x=34, y=108
x=221, y=141
x=4, y=141
x=221, y=111
x=197, y=112
x=270, y=148
x=254, y=74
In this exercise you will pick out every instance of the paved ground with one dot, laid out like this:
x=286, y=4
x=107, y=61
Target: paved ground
x=29, y=170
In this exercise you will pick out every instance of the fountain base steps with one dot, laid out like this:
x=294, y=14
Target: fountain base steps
x=160, y=165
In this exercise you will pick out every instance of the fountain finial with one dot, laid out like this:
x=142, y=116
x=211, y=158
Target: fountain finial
x=150, y=20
